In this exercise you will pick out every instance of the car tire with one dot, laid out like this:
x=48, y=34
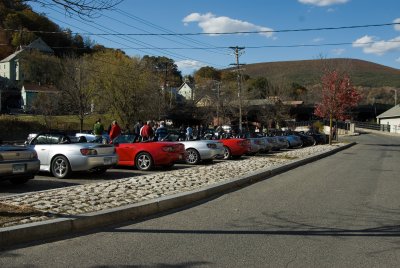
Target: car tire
x=192, y=156
x=144, y=161
x=19, y=181
x=60, y=167
x=227, y=153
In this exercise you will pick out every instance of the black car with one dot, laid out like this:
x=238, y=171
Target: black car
x=308, y=140
x=320, y=138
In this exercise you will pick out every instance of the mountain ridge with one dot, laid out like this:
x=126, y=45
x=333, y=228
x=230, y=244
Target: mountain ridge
x=308, y=72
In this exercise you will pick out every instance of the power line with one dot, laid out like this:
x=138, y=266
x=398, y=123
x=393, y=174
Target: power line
x=130, y=39
x=221, y=33
x=247, y=47
x=152, y=25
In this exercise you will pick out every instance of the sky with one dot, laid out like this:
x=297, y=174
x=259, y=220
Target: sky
x=197, y=33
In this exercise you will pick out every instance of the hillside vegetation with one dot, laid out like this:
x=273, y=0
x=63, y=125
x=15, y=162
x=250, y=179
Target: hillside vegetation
x=308, y=72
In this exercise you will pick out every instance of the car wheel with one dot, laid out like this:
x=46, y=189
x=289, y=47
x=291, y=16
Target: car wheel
x=192, y=156
x=227, y=153
x=60, y=167
x=18, y=181
x=144, y=161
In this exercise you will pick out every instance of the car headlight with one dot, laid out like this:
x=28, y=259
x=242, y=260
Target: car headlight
x=34, y=155
x=88, y=151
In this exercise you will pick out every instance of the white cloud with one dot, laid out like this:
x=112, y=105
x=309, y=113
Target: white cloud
x=318, y=39
x=189, y=66
x=322, y=3
x=371, y=45
x=338, y=51
x=397, y=26
x=398, y=59
x=210, y=23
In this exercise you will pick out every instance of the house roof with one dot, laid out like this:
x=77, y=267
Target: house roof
x=32, y=87
x=12, y=56
x=38, y=44
x=185, y=83
x=392, y=112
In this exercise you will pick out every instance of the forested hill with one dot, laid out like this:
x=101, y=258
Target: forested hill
x=308, y=72
x=20, y=25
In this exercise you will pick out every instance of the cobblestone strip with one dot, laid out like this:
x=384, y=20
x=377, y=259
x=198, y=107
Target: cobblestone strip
x=82, y=199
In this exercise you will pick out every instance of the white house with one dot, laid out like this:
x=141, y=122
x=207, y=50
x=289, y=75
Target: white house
x=186, y=91
x=392, y=118
x=10, y=67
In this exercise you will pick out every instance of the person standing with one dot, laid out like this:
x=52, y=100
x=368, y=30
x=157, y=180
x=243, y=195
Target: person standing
x=189, y=133
x=161, y=131
x=98, y=129
x=146, y=131
x=137, y=127
x=115, y=130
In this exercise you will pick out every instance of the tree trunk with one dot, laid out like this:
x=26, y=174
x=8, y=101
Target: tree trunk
x=330, y=129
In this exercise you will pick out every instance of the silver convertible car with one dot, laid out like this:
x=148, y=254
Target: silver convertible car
x=198, y=150
x=18, y=163
x=60, y=155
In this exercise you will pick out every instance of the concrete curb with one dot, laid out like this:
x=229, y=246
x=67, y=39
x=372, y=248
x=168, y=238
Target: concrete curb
x=24, y=233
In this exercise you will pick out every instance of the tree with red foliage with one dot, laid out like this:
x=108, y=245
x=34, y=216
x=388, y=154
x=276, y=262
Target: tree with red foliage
x=338, y=96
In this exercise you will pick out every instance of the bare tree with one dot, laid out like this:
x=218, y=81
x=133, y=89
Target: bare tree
x=83, y=8
x=77, y=90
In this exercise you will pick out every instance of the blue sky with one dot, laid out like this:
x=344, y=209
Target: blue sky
x=377, y=44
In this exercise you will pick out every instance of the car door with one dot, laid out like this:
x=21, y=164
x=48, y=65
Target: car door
x=43, y=143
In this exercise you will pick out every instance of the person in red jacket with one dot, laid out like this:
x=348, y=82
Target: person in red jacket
x=115, y=130
x=146, y=132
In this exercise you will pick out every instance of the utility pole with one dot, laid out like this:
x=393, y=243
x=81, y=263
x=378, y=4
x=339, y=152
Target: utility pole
x=218, y=101
x=238, y=52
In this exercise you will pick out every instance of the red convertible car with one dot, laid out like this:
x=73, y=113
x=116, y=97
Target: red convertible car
x=148, y=154
x=235, y=147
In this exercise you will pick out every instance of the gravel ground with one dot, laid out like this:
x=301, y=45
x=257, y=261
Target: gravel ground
x=75, y=200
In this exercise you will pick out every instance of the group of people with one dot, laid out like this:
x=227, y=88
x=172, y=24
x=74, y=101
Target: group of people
x=145, y=130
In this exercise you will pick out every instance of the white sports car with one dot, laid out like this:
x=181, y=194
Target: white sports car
x=60, y=154
x=198, y=150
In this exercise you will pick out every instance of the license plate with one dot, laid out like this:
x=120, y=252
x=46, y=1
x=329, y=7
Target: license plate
x=107, y=160
x=18, y=168
x=180, y=157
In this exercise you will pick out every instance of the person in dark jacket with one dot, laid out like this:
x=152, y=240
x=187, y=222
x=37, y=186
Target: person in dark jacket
x=161, y=131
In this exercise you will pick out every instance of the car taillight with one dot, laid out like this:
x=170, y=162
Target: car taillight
x=87, y=151
x=34, y=155
x=212, y=145
x=168, y=149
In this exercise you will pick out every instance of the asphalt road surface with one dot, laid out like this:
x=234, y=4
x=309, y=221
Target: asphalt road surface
x=341, y=211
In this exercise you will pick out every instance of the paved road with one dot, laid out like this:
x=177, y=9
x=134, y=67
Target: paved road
x=342, y=211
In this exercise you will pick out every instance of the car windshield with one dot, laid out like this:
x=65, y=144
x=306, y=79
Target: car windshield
x=51, y=138
x=126, y=139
